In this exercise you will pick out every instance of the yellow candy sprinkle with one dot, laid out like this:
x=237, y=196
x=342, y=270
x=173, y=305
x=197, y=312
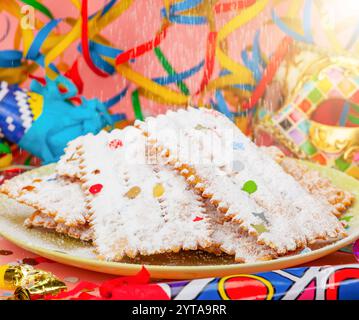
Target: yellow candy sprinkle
x=260, y=228
x=133, y=192
x=158, y=190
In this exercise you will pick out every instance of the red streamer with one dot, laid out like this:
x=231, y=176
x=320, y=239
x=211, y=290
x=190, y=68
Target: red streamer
x=85, y=41
x=82, y=286
x=269, y=73
x=209, y=61
x=41, y=80
x=143, y=48
x=135, y=287
x=74, y=75
x=234, y=5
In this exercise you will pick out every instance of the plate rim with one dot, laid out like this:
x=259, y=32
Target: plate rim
x=183, y=272
x=87, y=263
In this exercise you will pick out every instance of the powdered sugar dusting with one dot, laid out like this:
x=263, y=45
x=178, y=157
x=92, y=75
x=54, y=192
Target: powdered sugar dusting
x=127, y=218
x=292, y=216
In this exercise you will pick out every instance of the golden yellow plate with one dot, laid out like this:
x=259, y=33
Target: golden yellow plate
x=184, y=265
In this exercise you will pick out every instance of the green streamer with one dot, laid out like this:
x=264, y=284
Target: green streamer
x=137, y=105
x=354, y=120
x=40, y=7
x=169, y=69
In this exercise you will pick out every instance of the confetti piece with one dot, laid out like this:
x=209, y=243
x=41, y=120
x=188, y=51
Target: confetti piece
x=96, y=188
x=30, y=261
x=200, y=127
x=238, y=146
x=158, y=190
x=260, y=228
x=28, y=188
x=133, y=192
x=250, y=186
x=261, y=216
x=238, y=166
x=115, y=144
x=5, y=252
x=346, y=218
x=197, y=219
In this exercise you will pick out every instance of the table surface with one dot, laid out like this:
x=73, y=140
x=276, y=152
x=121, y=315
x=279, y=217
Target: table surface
x=11, y=254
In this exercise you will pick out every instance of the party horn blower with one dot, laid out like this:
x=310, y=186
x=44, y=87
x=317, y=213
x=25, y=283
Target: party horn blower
x=28, y=283
x=43, y=120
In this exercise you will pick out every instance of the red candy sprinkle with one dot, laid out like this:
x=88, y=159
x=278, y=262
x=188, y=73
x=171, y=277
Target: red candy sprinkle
x=114, y=144
x=96, y=188
x=197, y=219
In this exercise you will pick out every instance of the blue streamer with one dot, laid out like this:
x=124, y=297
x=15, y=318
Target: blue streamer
x=104, y=50
x=344, y=114
x=191, y=20
x=173, y=78
x=185, y=5
x=252, y=65
x=222, y=105
x=307, y=37
x=307, y=20
x=36, y=45
x=256, y=52
x=184, y=19
x=10, y=58
x=111, y=102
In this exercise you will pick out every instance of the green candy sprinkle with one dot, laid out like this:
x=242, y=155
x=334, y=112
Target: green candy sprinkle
x=250, y=187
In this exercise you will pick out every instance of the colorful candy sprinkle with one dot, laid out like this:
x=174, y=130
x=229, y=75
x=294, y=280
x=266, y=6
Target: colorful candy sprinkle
x=261, y=216
x=250, y=186
x=200, y=127
x=114, y=144
x=5, y=252
x=133, y=192
x=238, y=166
x=28, y=188
x=197, y=219
x=260, y=228
x=96, y=188
x=238, y=146
x=158, y=190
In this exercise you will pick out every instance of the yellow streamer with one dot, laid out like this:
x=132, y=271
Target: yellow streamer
x=161, y=91
x=95, y=26
x=225, y=61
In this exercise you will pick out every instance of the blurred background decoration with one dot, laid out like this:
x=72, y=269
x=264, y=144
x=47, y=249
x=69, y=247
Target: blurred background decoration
x=284, y=71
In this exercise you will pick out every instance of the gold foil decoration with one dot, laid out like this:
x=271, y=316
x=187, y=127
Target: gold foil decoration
x=332, y=139
x=26, y=281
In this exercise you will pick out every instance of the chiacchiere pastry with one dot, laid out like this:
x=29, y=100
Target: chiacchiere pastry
x=223, y=237
x=313, y=182
x=135, y=207
x=42, y=220
x=116, y=190
x=253, y=190
x=57, y=198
